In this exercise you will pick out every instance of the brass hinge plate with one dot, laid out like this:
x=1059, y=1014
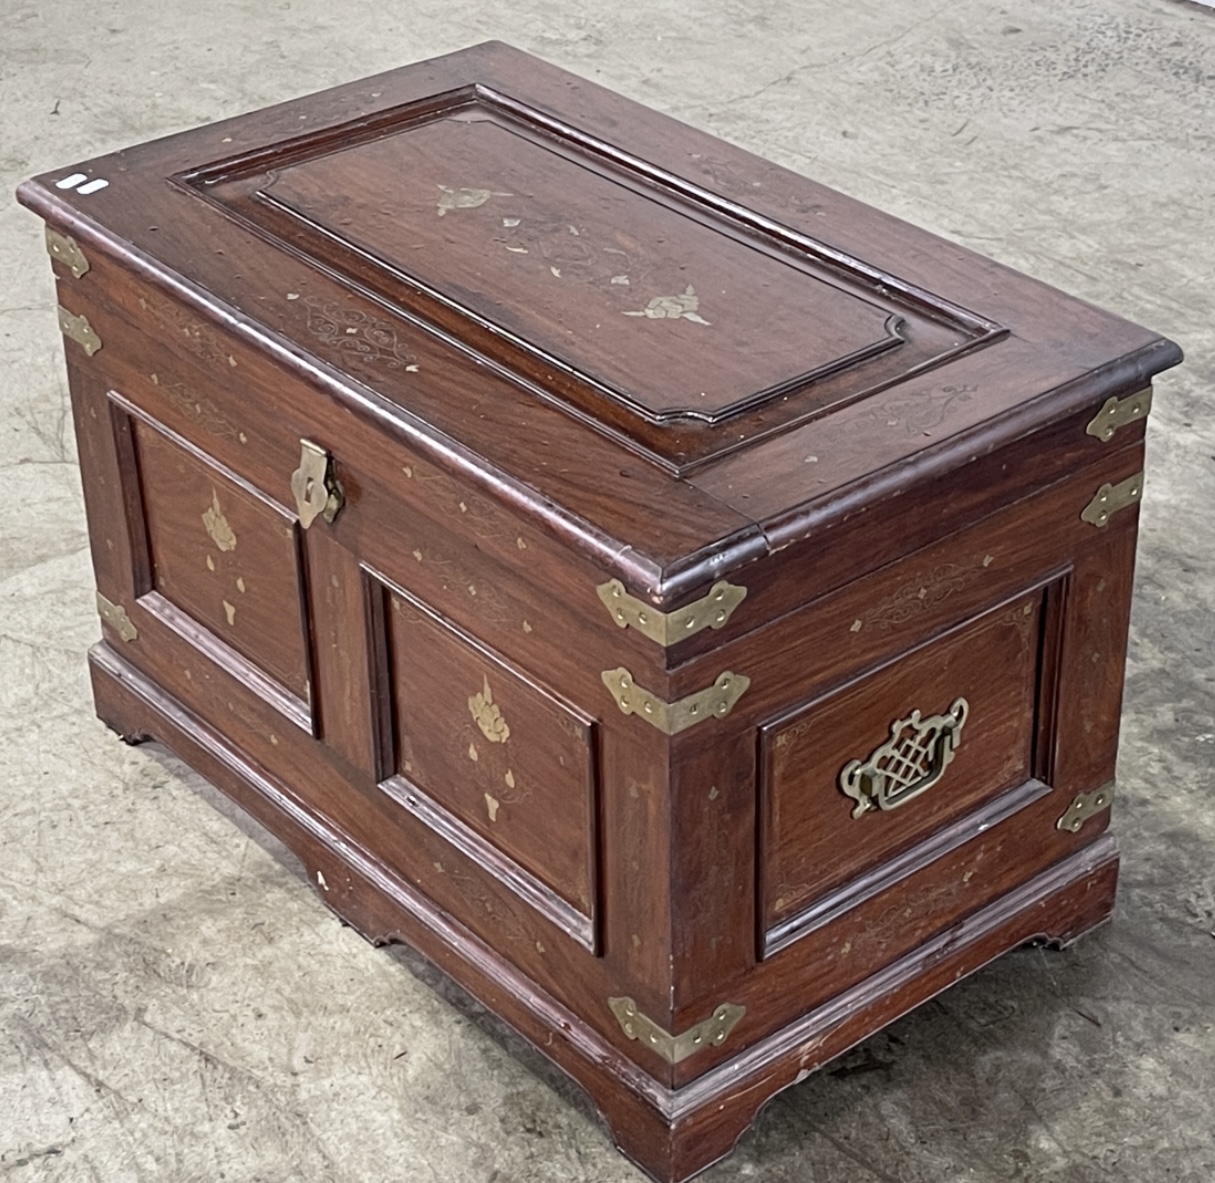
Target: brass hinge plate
x=710, y=611
x=675, y=1048
x=1109, y=499
x=317, y=492
x=1118, y=412
x=115, y=615
x=79, y=330
x=67, y=250
x=714, y=702
x=1084, y=806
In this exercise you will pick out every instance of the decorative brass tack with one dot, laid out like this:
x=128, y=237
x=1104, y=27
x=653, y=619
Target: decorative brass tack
x=78, y=329
x=1109, y=499
x=712, y=610
x=67, y=250
x=1084, y=806
x=317, y=492
x=115, y=615
x=1118, y=412
x=712, y=1032
x=909, y=763
x=714, y=701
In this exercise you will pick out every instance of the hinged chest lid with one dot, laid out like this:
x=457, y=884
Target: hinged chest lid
x=677, y=354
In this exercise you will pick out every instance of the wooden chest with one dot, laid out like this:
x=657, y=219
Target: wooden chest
x=687, y=605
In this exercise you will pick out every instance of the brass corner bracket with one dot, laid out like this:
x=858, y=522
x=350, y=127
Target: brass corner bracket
x=67, y=250
x=1118, y=412
x=1084, y=806
x=115, y=615
x=1109, y=499
x=712, y=1032
x=714, y=702
x=712, y=610
x=78, y=329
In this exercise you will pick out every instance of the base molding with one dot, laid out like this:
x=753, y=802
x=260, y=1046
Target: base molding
x=672, y=1134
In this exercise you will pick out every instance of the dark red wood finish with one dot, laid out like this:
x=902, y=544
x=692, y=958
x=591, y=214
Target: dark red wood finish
x=549, y=339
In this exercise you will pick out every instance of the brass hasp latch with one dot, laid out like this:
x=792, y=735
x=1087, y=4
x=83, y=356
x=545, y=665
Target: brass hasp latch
x=317, y=492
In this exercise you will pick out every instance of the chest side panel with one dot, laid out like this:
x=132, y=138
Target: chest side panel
x=919, y=741
x=842, y=775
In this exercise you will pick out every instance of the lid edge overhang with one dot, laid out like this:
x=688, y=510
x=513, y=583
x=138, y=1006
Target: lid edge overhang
x=664, y=585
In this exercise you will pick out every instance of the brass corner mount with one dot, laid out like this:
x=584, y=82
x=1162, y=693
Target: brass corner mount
x=712, y=610
x=712, y=1032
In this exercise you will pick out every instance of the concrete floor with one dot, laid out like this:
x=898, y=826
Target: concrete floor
x=176, y=1005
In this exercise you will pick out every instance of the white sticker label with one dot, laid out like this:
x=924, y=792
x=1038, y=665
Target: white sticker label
x=71, y=182
x=93, y=186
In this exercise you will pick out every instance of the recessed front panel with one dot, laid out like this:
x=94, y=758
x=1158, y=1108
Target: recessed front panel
x=224, y=557
x=494, y=762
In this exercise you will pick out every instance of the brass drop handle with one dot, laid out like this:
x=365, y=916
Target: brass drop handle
x=316, y=489
x=909, y=763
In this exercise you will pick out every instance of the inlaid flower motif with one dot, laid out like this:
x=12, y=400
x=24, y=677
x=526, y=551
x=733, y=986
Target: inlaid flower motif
x=450, y=198
x=487, y=716
x=217, y=525
x=674, y=308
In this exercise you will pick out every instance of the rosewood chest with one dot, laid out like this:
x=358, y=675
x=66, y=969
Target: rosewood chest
x=686, y=604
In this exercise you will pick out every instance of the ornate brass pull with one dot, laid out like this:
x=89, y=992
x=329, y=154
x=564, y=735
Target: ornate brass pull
x=909, y=763
x=314, y=485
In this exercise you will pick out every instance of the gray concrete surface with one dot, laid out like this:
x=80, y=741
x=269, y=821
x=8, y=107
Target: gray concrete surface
x=176, y=1005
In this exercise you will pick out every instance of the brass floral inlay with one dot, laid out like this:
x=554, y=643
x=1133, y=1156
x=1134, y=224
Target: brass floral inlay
x=221, y=533
x=487, y=716
x=674, y=308
x=926, y=590
x=358, y=335
x=450, y=198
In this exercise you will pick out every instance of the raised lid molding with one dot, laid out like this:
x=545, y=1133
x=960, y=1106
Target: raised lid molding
x=660, y=312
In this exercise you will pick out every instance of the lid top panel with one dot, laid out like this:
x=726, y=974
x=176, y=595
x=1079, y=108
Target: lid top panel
x=653, y=309
x=667, y=313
